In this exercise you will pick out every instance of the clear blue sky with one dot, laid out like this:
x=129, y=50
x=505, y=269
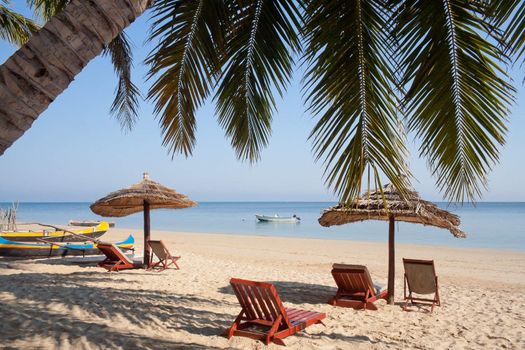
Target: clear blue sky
x=76, y=152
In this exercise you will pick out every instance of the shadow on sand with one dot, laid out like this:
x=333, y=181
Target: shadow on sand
x=89, y=311
x=84, y=311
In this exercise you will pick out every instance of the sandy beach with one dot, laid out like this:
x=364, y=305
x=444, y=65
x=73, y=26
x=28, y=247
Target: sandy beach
x=51, y=305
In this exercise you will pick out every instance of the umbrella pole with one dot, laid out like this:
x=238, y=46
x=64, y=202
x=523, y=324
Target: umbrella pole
x=146, y=234
x=391, y=259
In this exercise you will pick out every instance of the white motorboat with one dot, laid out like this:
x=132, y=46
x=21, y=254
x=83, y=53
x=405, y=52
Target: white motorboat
x=278, y=219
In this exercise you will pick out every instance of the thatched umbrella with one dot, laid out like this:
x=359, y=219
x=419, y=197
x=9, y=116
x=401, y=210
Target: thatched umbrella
x=387, y=204
x=142, y=196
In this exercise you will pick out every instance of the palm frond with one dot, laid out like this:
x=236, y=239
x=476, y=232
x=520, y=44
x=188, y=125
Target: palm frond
x=125, y=106
x=457, y=96
x=14, y=27
x=510, y=15
x=261, y=40
x=185, y=61
x=349, y=86
x=47, y=8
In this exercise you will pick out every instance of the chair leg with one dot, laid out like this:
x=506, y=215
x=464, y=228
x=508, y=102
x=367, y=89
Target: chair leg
x=407, y=300
x=174, y=261
x=235, y=324
x=275, y=326
x=365, y=303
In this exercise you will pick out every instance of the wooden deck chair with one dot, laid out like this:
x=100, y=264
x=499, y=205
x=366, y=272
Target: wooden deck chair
x=163, y=254
x=355, y=288
x=115, y=259
x=263, y=316
x=420, y=278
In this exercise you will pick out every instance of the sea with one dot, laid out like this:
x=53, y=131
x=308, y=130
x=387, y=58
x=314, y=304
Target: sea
x=488, y=224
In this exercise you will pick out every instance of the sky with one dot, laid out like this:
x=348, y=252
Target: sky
x=75, y=151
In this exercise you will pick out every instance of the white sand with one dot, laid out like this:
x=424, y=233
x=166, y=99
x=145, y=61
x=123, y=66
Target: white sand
x=47, y=305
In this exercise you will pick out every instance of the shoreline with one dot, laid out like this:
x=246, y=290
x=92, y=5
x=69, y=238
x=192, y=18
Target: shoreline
x=325, y=252
x=138, y=232
x=480, y=223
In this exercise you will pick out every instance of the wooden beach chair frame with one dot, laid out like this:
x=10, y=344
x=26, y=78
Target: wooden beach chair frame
x=115, y=260
x=355, y=288
x=262, y=309
x=160, y=250
x=409, y=298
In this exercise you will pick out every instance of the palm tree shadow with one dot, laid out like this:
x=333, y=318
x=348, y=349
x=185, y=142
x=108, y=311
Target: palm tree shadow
x=92, y=311
x=415, y=307
x=356, y=338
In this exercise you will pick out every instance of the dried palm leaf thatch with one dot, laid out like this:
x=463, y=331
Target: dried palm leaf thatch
x=386, y=202
x=131, y=200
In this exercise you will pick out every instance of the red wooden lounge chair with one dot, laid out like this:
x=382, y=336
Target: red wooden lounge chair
x=115, y=259
x=163, y=254
x=263, y=316
x=420, y=278
x=355, y=288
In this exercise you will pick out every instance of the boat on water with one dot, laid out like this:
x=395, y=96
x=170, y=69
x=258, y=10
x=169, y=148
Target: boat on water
x=88, y=223
x=278, y=219
x=56, y=235
x=47, y=249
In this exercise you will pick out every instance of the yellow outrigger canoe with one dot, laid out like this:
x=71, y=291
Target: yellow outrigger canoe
x=56, y=235
x=26, y=249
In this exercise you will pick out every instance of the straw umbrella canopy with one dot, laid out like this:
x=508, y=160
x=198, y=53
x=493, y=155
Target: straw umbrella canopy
x=142, y=196
x=389, y=205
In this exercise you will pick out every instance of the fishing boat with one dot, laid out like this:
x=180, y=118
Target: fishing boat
x=278, y=219
x=56, y=235
x=88, y=223
x=47, y=249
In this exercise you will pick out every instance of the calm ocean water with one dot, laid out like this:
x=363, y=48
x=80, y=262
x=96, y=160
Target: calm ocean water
x=488, y=225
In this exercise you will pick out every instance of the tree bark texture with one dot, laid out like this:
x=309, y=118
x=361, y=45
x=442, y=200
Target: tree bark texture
x=45, y=66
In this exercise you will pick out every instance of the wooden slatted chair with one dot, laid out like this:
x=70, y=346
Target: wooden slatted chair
x=115, y=259
x=163, y=254
x=420, y=278
x=263, y=316
x=355, y=288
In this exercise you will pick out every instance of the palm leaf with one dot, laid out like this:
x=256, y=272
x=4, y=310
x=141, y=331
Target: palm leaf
x=349, y=86
x=14, y=27
x=262, y=36
x=457, y=96
x=509, y=15
x=47, y=8
x=185, y=61
x=125, y=106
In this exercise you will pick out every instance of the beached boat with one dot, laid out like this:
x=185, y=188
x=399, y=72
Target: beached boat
x=56, y=235
x=88, y=223
x=34, y=250
x=278, y=219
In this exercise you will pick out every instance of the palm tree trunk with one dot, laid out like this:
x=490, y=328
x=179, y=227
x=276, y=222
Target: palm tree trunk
x=44, y=67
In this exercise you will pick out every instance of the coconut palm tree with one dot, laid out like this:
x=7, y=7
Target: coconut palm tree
x=374, y=70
